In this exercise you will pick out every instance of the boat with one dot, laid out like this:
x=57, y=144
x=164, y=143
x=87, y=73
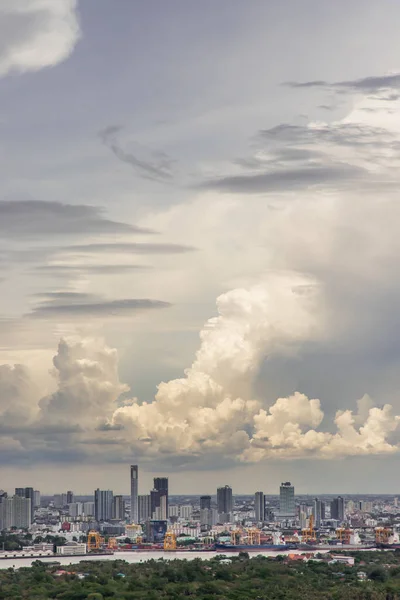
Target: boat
x=254, y=547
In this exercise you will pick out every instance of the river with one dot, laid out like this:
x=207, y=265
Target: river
x=130, y=557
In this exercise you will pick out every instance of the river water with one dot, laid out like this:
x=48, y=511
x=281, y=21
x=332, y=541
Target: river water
x=130, y=557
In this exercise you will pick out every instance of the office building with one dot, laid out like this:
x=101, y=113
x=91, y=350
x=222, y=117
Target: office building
x=36, y=497
x=103, y=500
x=134, y=493
x=173, y=510
x=185, y=512
x=144, y=508
x=208, y=518
x=159, y=499
x=287, y=507
x=15, y=512
x=224, y=500
x=118, y=508
x=88, y=509
x=317, y=512
x=75, y=509
x=337, y=509
x=259, y=507
x=70, y=497
x=27, y=492
x=205, y=502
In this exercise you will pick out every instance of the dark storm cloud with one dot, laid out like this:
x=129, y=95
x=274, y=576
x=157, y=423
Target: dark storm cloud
x=83, y=305
x=129, y=248
x=284, y=179
x=34, y=218
x=158, y=168
x=365, y=84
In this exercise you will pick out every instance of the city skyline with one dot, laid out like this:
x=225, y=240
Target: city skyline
x=198, y=245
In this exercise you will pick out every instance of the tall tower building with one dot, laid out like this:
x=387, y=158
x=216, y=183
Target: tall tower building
x=160, y=498
x=287, y=507
x=205, y=502
x=259, y=507
x=144, y=508
x=103, y=501
x=70, y=497
x=134, y=493
x=337, y=509
x=224, y=503
x=317, y=512
x=118, y=508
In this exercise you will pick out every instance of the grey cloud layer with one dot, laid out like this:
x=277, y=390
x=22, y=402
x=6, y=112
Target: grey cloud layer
x=35, y=218
x=129, y=248
x=363, y=85
x=76, y=305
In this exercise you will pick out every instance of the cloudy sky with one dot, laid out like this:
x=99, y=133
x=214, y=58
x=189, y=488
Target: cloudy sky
x=199, y=244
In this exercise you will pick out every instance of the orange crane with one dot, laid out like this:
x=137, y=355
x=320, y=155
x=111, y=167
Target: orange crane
x=94, y=540
x=254, y=536
x=343, y=535
x=382, y=535
x=235, y=537
x=309, y=533
x=170, y=541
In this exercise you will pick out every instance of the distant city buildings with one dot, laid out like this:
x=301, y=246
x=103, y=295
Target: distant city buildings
x=118, y=508
x=205, y=502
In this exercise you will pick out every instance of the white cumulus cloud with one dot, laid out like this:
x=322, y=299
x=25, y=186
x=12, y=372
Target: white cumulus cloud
x=36, y=33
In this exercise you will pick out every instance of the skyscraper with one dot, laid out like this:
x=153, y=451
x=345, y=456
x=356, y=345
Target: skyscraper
x=259, y=507
x=317, y=512
x=103, y=500
x=337, y=509
x=287, y=507
x=159, y=498
x=144, y=508
x=224, y=503
x=118, y=508
x=70, y=497
x=205, y=502
x=27, y=492
x=15, y=512
x=134, y=493
x=36, y=495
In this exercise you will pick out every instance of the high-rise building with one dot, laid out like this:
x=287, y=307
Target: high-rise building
x=134, y=493
x=317, y=512
x=208, y=518
x=75, y=509
x=173, y=510
x=159, y=498
x=205, y=502
x=144, y=508
x=88, y=509
x=185, y=511
x=70, y=497
x=27, y=492
x=118, y=508
x=15, y=512
x=224, y=499
x=103, y=500
x=337, y=509
x=36, y=496
x=259, y=506
x=287, y=506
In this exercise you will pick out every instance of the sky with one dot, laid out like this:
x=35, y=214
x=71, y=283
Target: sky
x=199, y=244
